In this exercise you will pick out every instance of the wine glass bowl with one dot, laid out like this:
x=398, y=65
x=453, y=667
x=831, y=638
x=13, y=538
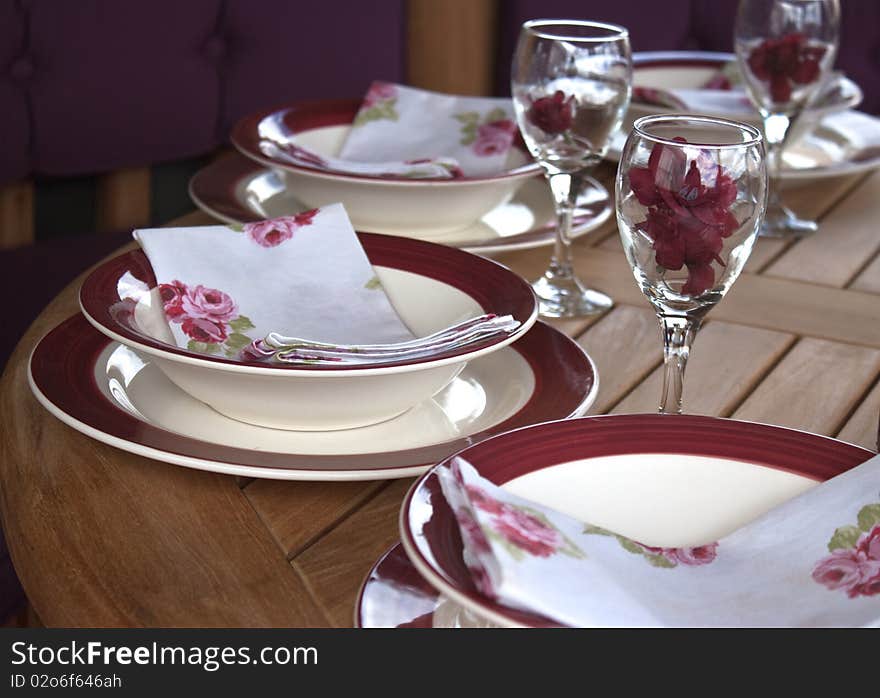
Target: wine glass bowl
x=571, y=83
x=785, y=50
x=690, y=198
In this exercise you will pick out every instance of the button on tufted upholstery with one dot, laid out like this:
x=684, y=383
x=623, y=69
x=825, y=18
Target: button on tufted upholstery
x=92, y=86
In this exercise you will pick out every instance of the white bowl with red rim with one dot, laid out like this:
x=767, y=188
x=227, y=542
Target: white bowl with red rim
x=431, y=286
x=394, y=205
x=692, y=70
x=663, y=480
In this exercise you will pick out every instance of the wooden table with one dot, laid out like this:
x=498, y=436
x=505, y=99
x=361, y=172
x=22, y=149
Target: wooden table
x=101, y=537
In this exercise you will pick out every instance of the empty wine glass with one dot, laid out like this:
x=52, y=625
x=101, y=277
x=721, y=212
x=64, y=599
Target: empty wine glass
x=785, y=50
x=690, y=197
x=571, y=84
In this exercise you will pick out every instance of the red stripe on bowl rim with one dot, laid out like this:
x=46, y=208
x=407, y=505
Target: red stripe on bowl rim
x=513, y=454
x=494, y=287
x=57, y=375
x=307, y=115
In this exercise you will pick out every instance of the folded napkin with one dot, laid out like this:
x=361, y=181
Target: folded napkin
x=229, y=290
x=812, y=561
x=396, y=122
x=723, y=93
x=459, y=336
x=700, y=100
x=278, y=147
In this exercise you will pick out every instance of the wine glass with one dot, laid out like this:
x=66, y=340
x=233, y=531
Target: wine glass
x=690, y=195
x=785, y=50
x=571, y=83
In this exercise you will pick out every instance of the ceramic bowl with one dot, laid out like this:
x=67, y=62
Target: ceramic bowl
x=431, y=286
x=394, y=205
x=671, y=70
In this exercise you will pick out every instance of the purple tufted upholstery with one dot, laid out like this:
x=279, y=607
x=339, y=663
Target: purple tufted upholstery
x=697, y=24
x=97, y=85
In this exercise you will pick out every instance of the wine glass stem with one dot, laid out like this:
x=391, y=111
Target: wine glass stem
x=776, y=128
x=678, y=334
x=564, y=188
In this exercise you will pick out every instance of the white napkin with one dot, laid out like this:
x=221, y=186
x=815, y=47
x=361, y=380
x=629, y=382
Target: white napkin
x=224, y=287
x=812, y=561
x=397, y=122
x=277, y=144
x=733, y=102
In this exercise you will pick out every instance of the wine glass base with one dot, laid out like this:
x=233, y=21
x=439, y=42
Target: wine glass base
x=566, y=297
x=782, y=223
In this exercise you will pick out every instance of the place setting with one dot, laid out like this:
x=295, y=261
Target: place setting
x=480, y=195
x=344, y=321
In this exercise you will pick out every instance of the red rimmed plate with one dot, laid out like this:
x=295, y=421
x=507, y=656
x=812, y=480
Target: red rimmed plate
x=665, y=480
x=114, y=394
x=237, y=190
x=395, y=595
x=492, y=286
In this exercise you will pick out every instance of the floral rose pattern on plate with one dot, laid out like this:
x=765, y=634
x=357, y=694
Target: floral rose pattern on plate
x=208, y=316
x=378, y=105
x=274, y=231
x=662, y=557
x=522, y=531
x=785, y=61
x=488, y=135
x=688, y=212
x=854, y=563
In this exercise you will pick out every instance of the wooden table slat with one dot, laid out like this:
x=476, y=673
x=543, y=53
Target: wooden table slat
x=852, y=236
x=297, y=513
x=861, y=428
x=868, y=279
x=625, y=345
x=336, y=565
x=815, y=387
x=726, y=363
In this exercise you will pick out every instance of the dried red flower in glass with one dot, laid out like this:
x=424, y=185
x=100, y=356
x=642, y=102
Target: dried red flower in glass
x=552, y=114
x=785, y=61
x=687, y=218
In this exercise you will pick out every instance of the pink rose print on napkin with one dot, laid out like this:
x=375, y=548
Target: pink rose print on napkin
x=208, y=316
x=379, y=92
x=378, y=105
x=272, y=232
x=688, y=212
x=203, y=330
x=208, y=304
x=520, y=530
x=662, y=557
x=487, y=135
x=854, y=563
x=494, y=138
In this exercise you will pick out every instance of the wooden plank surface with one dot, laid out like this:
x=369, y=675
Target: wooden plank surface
x=816, y=387
x=852, y=235
x=336, y=565
x=726, y=363
x=16, y=214
x=451, y=45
